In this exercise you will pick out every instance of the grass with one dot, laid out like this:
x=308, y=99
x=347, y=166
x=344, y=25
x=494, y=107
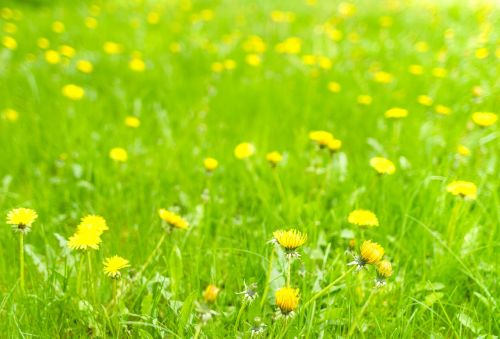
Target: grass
x=55, y=159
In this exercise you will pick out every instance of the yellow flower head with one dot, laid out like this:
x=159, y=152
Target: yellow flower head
x=463, y=150
x=21, y=219
x=396, y=113
x=382, y=165
x=274, y=158
x=384, y=268
x=85, y=238
x=210, y=293
x=244, y=150
x=95, y=222
x=210, y=164
x=365, y=99
x=73, y=92
x=112, y=48
x=443, y=110
x=84, y=66
x=363, y=218
x=113, y=265
x=132, y=121
x=52, y=57
x=10, y=114
x=118, y=154
x=484, y=119
x=383, y=77
x=287, y=299
x=291, y=239
x=9, y=42
x=371, y=252
x=464, y=189
x=424, y=100
x=322, y=138
x=137, y=64
x=334, y=145
x=173, y=219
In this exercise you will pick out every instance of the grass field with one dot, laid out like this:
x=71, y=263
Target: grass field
x=111, y=108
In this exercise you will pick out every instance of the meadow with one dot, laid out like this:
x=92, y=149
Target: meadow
x=237, y=169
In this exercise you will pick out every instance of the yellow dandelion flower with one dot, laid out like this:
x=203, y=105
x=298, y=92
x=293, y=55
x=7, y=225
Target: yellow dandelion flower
x=10, y=28
x=424, y=100
x=481, y=53
x=244, y=150
x=274, y=158
x=464, y=189
x=382, y=165
x=153, y=18
x=365, y=100
x=118, y=154
x=484, y=119
x=10, y=114
x=287, y=299
x=43, y=43
x=84, y=66
x=137, y=64
x=58, y=27
x=73, y=92
x=396, y=113
x=363, y=218
x=322, y=138
x=90, y=22
x=384, y=268
x=111, y=47
x=439, y=72
x=210, y=164
x=422, y=46
x=383, y=77
x=9, y=42
x=173, y=219
x=371, y=252
x=95, y=222
x=132, y=121
x=21, y=219
x=290, y=45
x=334, y=87
x=440, y=109
x=113, y=265
x=217, y=67
x=52, y=57
x=85, y=238
x=416, y=69
x=290, y=240
x=67, y=51
x=334, y=145
x=463, y=150
x=254, y=44
x=210, y=293
x=253, y=59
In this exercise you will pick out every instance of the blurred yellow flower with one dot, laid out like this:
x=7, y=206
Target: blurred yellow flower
x=153, y=18
x=43, y=43
x=229, y=64
x=384, y=268
x=73, y=92
x=282, y=17
x=210, y=164
x=10, y=114
x=484, y=119
x=421, y=46
x=439, y=72
x=173, y=219
x=416, y=69
x=287, y=299
x=67, y=51
x=254, y=44
x=463, y=150
x=58, y=27
x=84, y=239
x=274, y=158
x=363, y=218
x=84, y=66
x=210, y=294
x=21, y=219
x=118, y=154
x=383, y=77
x=322, y=138
x=424, y=100
x=95, y=222
x=113, y=265
x=90, y=22
x=290, y=240
x=244, y=150
x=396, y=113
x=253, y=59
x=346, y=9
x=334, y=87
x=9, y=42
x=112, y=47
x=365, y=100
x=382, y=165
x=137, y=64
x=334, y=145
x=464, y=189
x=481, y=53
x=52, y=57
x=132, y=121
x=290, y=45
x=371, y=252
x=10, y=28
x=440, y=109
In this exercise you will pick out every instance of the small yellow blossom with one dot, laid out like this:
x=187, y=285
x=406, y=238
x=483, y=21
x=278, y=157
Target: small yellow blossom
x=67, y=51
x=112, y=47
x=287, y=299
x=383, y=77
x=210, y=164
x=481, y=53
x=334, y=87
x=85, y=238
x=440, y=109
x=424, y=100
x=254, y=44
x=132, y=121
x=153, y=18
x=137, y=64
x=210, y=293
x=244, y=150
x=10, y=28
x=363, y=218
x=229, y=64
x=10, y=114
x=463, y=150
x=84, y=66
x=382, y=165
x=416, y=69
x=291, y=239
x=371, y=252
x=484, y=119
x=173, y=219
x=396, y=113
x=9, y=42
x=421, y=46
x=274, y=158
x=21, y=219
x=113, y=265
x=384, y=268
x=322, y=138
x=365, y=100
x=290, y=45
x=253, y=59
x=52, y=57
x=43, y=43
x=439, y=72
x=58, y=27
x=94, y=222
x=464, y=189
x=90, y=22
x=73, y=92
x=118, y=154
x=334, y=145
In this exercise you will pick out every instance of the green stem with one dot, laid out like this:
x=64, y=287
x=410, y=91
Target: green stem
x=114, y=291
x=91, y=281
x=21, y=260
x=240, y=313
x=268, y=278
x=279, y=185
x=328, y=287
x=452, y=224
x=151, y=256
x=289, y=271
x=360, y=313
x=79, y=276
x=198, y=331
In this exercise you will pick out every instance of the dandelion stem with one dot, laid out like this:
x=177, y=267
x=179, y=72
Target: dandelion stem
x=21, y=260
x=327, y=288
x=268, y=278
x=289, y=271
x=360, y=313
x=79, y=276
x=91, y=281
x=452, y=223
x=151, y=256
x=114, y=292
x=279, y=185
x=240, y=313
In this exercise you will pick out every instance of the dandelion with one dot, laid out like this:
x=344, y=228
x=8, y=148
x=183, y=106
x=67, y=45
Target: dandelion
x=370, y=253
x=463, y=150
x=244, y=150
x=287, y=300
x=118, y=154
x=484, y=119
x=464, y=189
x=132, y=121
x=210, y=164
x=334, y=145
x=173, y=219
x=84, y=66
x=111, y=48
x=322, y=138
x=58, y=27
x=481, y=53
x=443, y=110
x=382, y=165
x=363, y=218
x=253, y=60
x=365, y=100
x=210, y=294
x=113, y=265
x=137, y=64
x=249, y=293
x=67, y=51
x=334, y=87
x=384, y=271
x=73, y=92
x=90, y=22
x=424, y=100
x=95, y=222
x=290, y=240
x=416, y=69
x=383, y=77
x=439, y=72
x=43, y=43
x=396, y=113
x=85, y=238
x=52, y=57
x=10, y=114
x=274, y=158
x=9, y=42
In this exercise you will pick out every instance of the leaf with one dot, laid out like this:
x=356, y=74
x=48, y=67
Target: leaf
x=176, y=268
x=430, y=299
x=185, y=313
x=147, y=304
x=467, y=321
